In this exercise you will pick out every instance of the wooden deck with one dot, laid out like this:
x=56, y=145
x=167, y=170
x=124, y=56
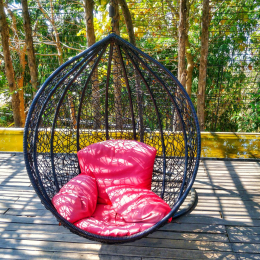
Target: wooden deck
x=224, y=225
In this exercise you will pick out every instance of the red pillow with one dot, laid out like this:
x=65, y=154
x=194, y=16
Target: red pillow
x=77, y=199
x=118, y=162
x=105, y=222
x=106, y=213
x=137, y=205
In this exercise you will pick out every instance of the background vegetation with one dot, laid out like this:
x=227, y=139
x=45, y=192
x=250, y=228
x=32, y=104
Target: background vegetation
x=232, y=94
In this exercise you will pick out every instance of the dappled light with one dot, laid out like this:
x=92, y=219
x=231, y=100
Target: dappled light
x=224, y=224
x=137, y=205
x=77, y=199
x=118, y=162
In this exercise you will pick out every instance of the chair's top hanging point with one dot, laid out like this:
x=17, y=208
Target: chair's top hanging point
x=113, y=15
x=111, y=11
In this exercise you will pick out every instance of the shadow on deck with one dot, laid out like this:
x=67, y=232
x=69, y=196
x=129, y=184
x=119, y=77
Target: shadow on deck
x=224, y=225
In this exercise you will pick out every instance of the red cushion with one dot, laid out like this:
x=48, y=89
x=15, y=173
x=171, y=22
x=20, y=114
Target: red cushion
x=137, y=205
x=77, y=199
x=106, y=213
x=105, y=222
x=118, y=162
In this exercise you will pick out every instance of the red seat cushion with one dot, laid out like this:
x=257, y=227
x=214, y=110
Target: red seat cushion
x=105, y=222
x=137, y=205
x=77, y=199
x=118, y=162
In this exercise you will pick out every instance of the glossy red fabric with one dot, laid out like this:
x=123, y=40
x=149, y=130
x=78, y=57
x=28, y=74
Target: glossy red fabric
x=105, y=222
x=118, y=162
x=77, y=199
x=137, y=205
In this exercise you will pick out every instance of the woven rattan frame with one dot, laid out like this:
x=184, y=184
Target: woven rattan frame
x=112, y=91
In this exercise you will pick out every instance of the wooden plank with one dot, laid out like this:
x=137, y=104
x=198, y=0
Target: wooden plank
x=8, y=198
x=32, y=228
x=118, y=250
x=22, y=205
x=248, y=256
x=6, y=155
x=235, y=163
x=14, y=184
x=191, y=227
x=226, y=185
x=10, y=188
x=225, y=202
x=14, y=179
x=236, y=181
x=244, y=230
x=244, y=234
x=28, y=220
x=145, y=242
x=230, y=172
x=246, y=248
x=3, y=210
x=43, y=255
x=228, y=166
x=229, y=221
x=182, y=244
x=241, y=193
x=207, y=255
x=14, y=254
x=29, y=212
x=177, y=231
x=190, y=236
x=45, y=236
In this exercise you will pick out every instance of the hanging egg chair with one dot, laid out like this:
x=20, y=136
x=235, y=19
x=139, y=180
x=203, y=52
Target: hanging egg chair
x=112, y=91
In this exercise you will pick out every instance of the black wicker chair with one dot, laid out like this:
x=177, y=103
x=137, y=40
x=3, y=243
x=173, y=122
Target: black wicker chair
x=112, y=91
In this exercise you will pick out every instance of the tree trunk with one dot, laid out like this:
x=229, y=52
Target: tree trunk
x=56, y=34
x=89, y=7
x=128, y=21
x=130, y=30
x=190, y=58
x=117, y=70
x=203, y=64
x=9, y=70
x=91, y=39
x=182, y=42
x=21, y=52
x=30, y=48
x=116, y=18
x=190, y=67
x=20, y=81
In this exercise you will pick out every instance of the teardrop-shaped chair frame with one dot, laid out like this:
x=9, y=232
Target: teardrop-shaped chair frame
x=39, y=135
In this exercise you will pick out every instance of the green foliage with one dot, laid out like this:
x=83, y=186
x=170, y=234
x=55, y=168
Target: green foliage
x=232, y=92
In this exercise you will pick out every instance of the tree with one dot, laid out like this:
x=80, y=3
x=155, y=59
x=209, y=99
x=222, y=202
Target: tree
x=231, y=88
x=51, y=18
x=91, y=39
x=89, y=8
x=117, y=70
x=189, y=55
x=203, y=65
x=15, y=84
x=182, y=42
x=30, y=47
x=128, y=21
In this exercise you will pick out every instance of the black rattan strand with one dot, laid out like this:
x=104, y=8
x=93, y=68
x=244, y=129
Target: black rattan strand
x=112, y=91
